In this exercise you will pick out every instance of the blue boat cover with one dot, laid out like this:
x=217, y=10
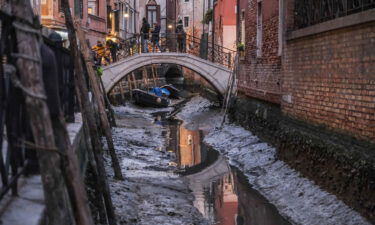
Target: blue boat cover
x=160, y=91
x=165, y=91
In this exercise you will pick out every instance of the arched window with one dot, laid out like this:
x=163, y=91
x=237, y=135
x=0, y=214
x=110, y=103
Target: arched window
x=153, y=12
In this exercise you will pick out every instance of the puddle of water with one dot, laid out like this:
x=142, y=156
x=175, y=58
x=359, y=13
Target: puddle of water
x=222, y=193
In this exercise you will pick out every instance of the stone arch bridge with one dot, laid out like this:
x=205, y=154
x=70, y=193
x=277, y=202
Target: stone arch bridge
x=215, y=74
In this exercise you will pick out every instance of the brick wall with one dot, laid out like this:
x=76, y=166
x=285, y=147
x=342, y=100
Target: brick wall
x=259, y=77
x=329, y=79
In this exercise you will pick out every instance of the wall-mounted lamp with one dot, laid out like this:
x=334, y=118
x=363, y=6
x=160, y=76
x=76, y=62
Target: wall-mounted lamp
x=126, y=15
x=170, y=26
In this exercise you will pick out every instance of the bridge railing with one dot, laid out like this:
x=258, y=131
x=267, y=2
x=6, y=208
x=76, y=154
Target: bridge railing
x=172, y=42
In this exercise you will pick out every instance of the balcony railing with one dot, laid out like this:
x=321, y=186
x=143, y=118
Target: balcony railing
x=311, y=12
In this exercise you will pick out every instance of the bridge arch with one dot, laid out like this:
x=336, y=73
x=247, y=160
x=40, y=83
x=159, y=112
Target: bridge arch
x=217, y=75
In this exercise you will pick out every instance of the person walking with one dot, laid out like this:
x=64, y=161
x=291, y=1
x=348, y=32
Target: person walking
x=145, y=29
x=181, y=36
x=113, y=49
x=155, y=37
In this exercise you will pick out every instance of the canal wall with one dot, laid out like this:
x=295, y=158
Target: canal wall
x=193, y=82
x=339, y=163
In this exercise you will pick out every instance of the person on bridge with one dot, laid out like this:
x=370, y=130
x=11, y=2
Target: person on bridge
x=100, y=51
x=112, y=46
x=145, y=29
x=181, y=36
x=155, y=37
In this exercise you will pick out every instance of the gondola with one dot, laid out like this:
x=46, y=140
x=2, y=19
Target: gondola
x=175, y=93
x=149, y=99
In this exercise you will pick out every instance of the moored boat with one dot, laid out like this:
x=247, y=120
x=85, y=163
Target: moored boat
x=174, y=92
x=148, y=99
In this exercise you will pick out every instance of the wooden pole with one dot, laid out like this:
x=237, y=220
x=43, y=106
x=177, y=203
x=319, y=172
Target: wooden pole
x=145, y=77
x=130, y=87
x=153, y=75
x=30, y=71
x=122, y=93
x=98, y=201
x=88, y=114
x=108, y=105
x=135, y=81
x=99, y=99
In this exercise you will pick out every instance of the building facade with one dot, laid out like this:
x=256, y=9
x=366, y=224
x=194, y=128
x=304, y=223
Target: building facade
x=306, y=84
x=225, y=16
x=260, y=66
x=122, y=19
x=155, y=11
x=329, y=68
x=93, y=19
x=101, y=20
x=191, y=13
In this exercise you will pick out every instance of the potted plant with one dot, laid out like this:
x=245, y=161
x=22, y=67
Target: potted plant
x=208, y=16
x=241, y=50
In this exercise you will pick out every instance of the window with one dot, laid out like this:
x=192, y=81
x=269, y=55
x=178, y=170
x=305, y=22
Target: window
x=92, y=7
x=78, y=8
x=131, y=22
x=59, y=5
x=243, y=27
x=153, y=14
x=186, y=21
x=126, y=17
x=259, y=29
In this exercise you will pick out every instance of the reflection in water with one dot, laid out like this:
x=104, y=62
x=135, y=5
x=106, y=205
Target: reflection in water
x=222, y=194
x=190, y=148
x=187, y=144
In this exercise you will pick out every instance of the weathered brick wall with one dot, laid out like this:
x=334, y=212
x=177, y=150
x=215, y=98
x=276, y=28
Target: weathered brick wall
x=329, y=79
x=259, y=77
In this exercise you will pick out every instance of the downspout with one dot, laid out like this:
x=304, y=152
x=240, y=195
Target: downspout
x=238, y=22
x=135, y=17
x=213, y=32
x=203, y=24
x=193, y=18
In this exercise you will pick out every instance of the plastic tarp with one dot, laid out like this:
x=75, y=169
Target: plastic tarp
x=160, y=91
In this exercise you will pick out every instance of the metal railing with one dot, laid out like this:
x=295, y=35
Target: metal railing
x=171, y=42
x=311, y=12
x=65, y=79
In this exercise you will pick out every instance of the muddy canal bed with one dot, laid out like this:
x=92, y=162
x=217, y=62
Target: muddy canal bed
x=183, y=167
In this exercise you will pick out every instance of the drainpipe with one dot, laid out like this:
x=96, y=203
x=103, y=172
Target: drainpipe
x=238, y=22
x=175, y=14
x=213, y=32
x=203, y=24
x=135, y=17
x=193, y=18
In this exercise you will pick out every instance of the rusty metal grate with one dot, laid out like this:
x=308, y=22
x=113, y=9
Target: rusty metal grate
x=311, y=12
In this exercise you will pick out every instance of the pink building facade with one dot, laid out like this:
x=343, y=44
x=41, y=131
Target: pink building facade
x=225, y=23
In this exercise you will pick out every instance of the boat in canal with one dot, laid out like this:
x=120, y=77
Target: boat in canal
x=174, y=92
x=149, y=99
